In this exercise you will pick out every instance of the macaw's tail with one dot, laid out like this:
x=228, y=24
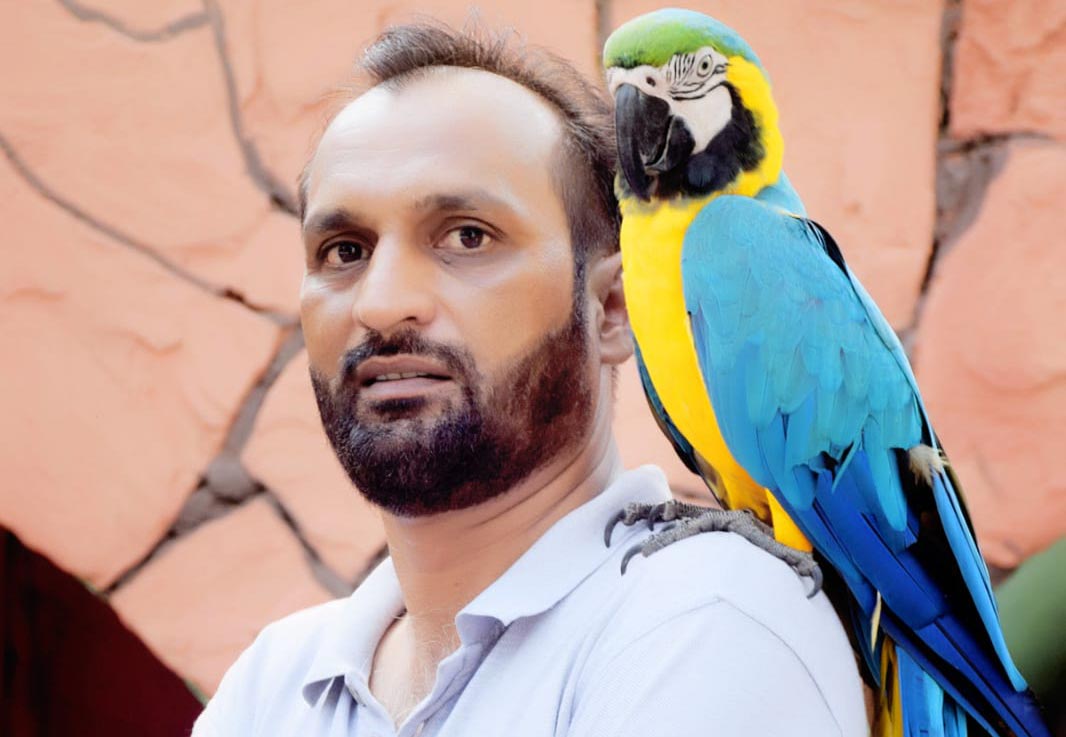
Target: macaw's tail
x=942, y=647
x=910, y=703
x=927, y=709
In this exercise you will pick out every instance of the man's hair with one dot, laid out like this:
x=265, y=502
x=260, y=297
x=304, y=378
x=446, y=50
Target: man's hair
x=585, y=175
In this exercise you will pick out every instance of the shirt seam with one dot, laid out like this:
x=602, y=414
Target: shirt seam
x=717, y=600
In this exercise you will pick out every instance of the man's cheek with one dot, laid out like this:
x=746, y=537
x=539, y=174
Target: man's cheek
x=328, y=331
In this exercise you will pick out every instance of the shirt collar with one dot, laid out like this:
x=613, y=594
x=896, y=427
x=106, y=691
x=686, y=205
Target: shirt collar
x=570, y=551
x=352, y=635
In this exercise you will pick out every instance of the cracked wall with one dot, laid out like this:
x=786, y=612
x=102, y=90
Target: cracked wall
x=160, y=437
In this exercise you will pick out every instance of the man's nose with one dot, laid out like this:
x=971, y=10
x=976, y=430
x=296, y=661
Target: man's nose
x=396, y=288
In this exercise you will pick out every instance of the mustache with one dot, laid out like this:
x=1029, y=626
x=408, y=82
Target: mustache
x=409, y=342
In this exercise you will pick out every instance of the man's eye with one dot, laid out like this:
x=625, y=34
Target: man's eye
x=466, y=238
x=344, y=252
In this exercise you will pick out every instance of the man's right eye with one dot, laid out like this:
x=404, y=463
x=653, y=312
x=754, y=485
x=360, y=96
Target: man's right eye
x=340, y=253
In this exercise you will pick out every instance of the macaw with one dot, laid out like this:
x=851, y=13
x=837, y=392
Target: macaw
x=778, y=380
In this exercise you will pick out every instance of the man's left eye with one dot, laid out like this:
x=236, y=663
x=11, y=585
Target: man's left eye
x=466, y=238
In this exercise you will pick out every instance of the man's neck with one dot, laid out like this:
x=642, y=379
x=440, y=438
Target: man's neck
x=444, y=561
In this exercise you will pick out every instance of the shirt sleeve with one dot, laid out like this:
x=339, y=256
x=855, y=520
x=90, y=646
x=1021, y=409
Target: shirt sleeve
x=709, y=671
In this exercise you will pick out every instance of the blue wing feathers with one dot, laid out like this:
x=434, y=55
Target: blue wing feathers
x=974, y=573
x=815, y=398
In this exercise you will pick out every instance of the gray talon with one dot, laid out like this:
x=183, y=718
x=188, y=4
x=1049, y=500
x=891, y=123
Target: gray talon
x=611, y=525
x=816, y=578
x=653, y=514
x=630, y=554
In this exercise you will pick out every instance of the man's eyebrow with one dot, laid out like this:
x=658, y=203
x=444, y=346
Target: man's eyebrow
x=472, y=200
x=331, y=221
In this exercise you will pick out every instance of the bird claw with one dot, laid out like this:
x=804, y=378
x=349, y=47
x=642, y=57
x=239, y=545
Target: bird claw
x=816, y=580
x=641, y=548
x=618, y=517
x=652, y=514
x=687, y=520
x=630, y=554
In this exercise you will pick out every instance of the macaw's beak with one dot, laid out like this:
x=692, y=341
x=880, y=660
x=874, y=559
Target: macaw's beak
x=649, y=138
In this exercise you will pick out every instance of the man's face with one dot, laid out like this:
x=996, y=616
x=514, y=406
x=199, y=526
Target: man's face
x=448, y=353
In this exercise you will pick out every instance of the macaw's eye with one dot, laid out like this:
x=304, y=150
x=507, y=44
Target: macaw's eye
x=650, y=81
x=340, y=253
x=705, y=65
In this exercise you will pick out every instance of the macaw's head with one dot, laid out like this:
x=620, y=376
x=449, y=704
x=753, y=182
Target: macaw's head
x=693, y=108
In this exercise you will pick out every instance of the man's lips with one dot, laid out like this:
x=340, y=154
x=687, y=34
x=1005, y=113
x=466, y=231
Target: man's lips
x=396, y=377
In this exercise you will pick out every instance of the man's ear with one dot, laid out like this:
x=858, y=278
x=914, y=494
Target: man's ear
x=608, y=313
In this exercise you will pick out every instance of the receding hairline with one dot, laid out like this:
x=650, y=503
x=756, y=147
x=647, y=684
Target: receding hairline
x=558, y=161
x=582, y=167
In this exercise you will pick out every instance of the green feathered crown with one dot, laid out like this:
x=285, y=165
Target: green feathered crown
x=655, y=37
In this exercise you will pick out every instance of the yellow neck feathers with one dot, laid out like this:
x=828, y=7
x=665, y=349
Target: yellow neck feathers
x=754, y=90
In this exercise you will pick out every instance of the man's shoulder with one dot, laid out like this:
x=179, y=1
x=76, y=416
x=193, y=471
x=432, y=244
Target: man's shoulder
x=283, y=653
x=307, y=622
x=714, y=567
x=718, y=587
x=294, y=639
x=722, y=623
x=715, y=597
x=270, y=672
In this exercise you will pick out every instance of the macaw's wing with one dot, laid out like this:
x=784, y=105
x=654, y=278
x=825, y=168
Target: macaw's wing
x=693, y=461
x=681, y=445
x=815, y=398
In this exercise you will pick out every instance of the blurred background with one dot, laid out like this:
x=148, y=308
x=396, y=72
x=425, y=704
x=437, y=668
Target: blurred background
x=167, y=489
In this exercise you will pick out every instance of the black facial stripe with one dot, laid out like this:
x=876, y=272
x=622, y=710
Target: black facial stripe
x=682, y=64
x=697, y=93
x=738, y=147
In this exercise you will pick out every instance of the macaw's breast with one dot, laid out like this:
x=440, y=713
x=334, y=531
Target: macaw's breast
x=651, y=241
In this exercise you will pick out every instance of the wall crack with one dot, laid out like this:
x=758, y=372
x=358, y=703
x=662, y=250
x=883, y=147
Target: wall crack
x=170, y=30
x=120, y=237
x=263, y=178
x=965, y=168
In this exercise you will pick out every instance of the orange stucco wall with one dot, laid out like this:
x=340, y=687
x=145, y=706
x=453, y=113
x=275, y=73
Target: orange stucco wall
x=159, y=438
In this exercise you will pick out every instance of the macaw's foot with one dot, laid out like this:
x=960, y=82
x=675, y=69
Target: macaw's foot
x=652, y=513
x=688, y=520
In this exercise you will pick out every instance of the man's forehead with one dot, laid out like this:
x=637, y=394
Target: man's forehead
x=443, y=88
x=455, y=114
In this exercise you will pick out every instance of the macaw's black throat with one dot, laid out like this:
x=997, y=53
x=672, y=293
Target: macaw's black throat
x=655, y=148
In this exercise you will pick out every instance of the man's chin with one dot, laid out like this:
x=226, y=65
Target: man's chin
x=394, y=436
x=400, y=408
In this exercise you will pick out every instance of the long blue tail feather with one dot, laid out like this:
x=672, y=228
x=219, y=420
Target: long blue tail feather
x=974, y=573
x=916, y=615
x=926, y=713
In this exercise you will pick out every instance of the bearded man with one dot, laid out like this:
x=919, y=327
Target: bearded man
x=464, y=318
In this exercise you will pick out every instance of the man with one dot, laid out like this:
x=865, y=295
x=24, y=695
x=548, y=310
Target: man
x=464, y=317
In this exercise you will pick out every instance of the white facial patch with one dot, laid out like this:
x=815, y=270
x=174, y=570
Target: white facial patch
x=692, y=84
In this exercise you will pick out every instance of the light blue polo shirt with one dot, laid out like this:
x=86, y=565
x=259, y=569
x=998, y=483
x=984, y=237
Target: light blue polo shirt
x=710, y=636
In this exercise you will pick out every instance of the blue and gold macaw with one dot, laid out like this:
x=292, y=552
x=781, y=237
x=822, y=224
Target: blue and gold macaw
x=778, y=380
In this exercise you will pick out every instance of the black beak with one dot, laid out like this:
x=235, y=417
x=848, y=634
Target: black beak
x=641, y=123
x=649, y=138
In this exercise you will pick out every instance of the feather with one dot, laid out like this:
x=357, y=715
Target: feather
x=813, y=373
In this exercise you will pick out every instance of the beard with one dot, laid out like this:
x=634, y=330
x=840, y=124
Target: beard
x=481, y=444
